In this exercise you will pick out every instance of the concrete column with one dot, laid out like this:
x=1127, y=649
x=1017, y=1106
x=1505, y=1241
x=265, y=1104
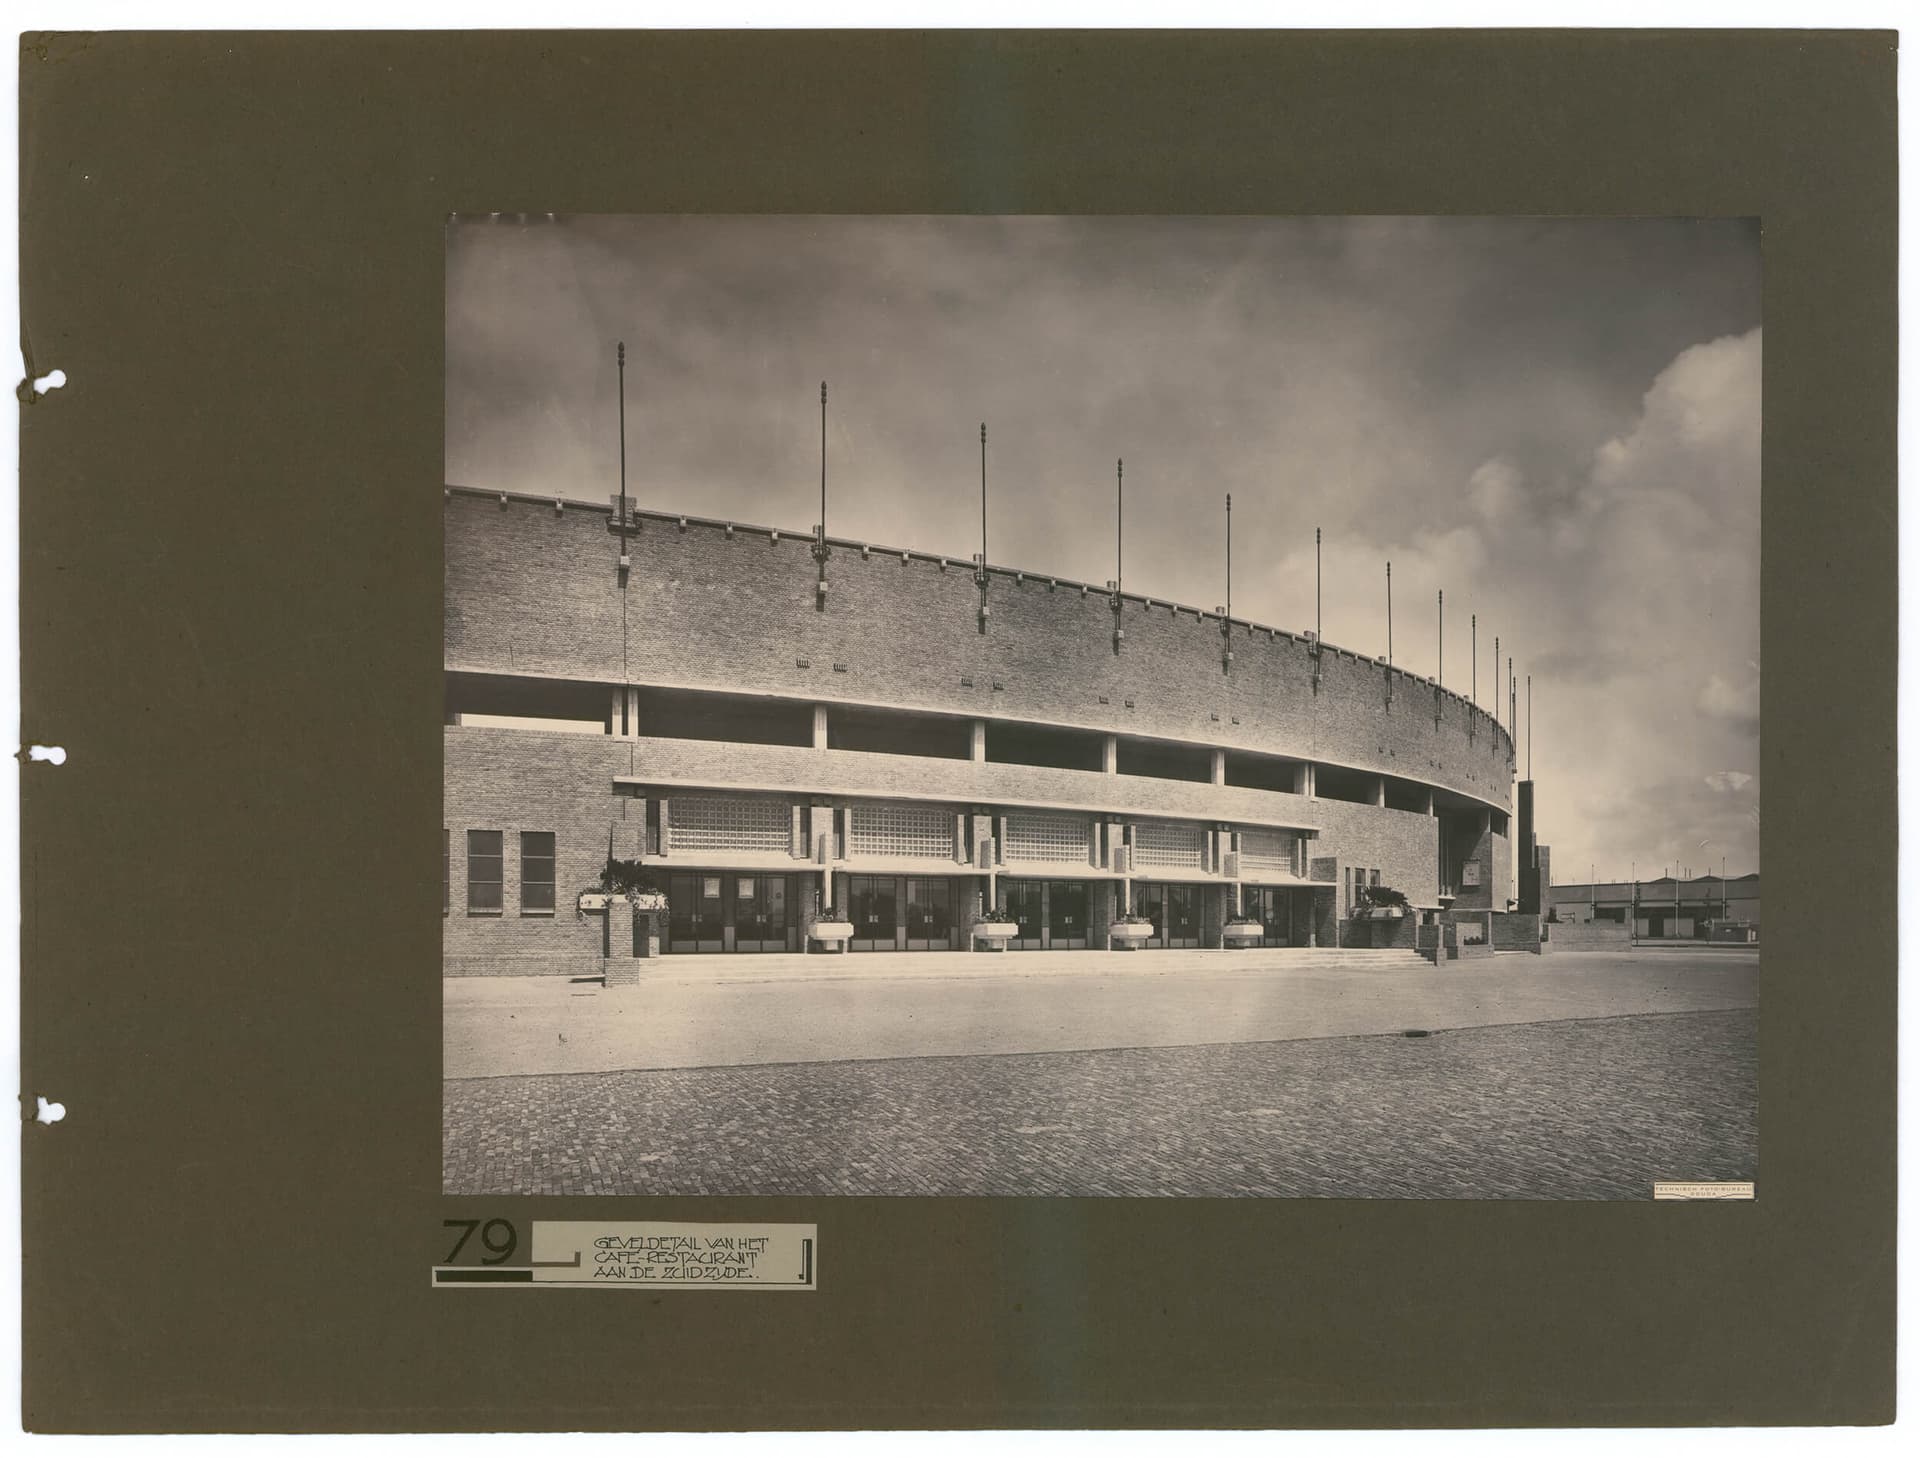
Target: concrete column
x=616, y=712
x=1312, y=790
x=979, y=741
x=819, y=828
x=1380, y=790
x=819, y=726
x=1110, y=755
x=1430, y=809
x=1219, y=766
x=982, y=829
x=1303, y=779
x=633, y=712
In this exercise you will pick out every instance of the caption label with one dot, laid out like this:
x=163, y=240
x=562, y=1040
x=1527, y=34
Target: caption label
x=1703, y=1189
x=643, y=1254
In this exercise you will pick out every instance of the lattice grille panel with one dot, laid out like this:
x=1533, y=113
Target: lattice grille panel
x=902, y=830
x=1266, y=850
x=730, y=823
x=1049, y=838
x=1167, y=845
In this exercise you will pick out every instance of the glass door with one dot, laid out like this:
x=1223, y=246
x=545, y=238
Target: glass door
x=1150, y=901
x=1272, y=907
x=760, y=914
x=695, y=922
x=1024, y=904
x=1067, y=914
x=1182, y=925
x=929, y=914
x=873, y=904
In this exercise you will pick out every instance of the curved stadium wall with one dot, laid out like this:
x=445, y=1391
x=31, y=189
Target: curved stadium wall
x=725, y=681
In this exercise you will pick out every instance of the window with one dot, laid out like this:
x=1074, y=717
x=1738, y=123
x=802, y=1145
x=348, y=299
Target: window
x=446, y=870
x=1158, y=844
x=730, y=823
x=903, y=830
x=536, y=873
x=1049, y=838
x=483, y=872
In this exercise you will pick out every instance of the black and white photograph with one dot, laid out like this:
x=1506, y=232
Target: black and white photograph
x=1133, y=706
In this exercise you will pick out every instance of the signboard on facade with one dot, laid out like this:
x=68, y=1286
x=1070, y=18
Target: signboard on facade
x=1470, y=874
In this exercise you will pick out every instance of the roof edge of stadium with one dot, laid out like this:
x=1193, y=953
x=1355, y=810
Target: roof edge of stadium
x=1020, y=574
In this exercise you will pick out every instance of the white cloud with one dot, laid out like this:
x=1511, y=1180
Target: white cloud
x=1494, y=490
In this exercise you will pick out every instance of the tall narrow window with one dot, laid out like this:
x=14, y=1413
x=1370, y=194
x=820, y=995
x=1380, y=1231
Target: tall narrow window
x=483, y=872
x=446, y=870
x=536, y=873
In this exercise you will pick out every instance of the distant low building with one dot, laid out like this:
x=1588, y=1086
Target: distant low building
x=1702, y=908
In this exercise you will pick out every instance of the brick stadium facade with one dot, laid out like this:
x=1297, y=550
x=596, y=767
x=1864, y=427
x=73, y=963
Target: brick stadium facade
x=886, y=747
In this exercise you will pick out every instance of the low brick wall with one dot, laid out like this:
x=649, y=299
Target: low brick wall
x=1516, y=931
x=1469, y=925
x=1596, y=936
x=1471, y=950
x=529, y=964
x=1396, y=932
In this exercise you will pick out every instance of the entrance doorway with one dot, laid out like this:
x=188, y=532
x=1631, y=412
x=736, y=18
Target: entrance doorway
x=696, y=914
x=760, y=913
x=1025, y=903
x=874, y=904
x=929, y=914
x=1174, y=911
x=1272, y=907
x=1067, y=914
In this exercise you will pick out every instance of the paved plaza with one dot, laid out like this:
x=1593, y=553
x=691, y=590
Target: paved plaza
x=1552, y=1077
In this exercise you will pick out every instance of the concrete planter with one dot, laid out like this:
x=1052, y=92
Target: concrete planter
x=1385, y=913
x=1127, y=936
x=832, y=936
x=993, y=936
x=1242, y=933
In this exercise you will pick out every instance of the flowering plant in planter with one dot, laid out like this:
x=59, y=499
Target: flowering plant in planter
x=830, y=924
x=624, y=881
x=992, y=929
x=1243, y=928
x=1381, y=903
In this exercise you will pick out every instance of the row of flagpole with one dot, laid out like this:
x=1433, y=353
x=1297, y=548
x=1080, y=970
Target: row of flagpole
x=1119, y=565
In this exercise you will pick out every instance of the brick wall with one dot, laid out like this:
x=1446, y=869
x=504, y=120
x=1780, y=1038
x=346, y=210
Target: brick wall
x=1400, y=844
x=855, y=773
x=1516, y=931
x=532, y=590
x=500, y=779
x=1597, y=936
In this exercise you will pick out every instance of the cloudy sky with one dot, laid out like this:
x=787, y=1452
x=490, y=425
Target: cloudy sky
x=1556, y=421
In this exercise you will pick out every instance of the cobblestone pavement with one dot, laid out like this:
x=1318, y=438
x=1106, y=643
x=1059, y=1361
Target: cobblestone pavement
x=1593, y=1109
